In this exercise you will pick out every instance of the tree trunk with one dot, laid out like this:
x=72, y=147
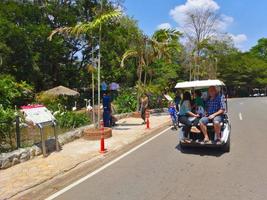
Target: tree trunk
x=145, y=78
x=139, y=84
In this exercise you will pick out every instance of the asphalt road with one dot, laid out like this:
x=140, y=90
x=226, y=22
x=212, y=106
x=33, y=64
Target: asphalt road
x=158, y=170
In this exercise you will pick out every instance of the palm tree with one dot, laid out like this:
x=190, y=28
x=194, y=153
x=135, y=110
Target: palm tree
x=205, y=60
x=148, y=50
x=164, y=42
x=86, y=28
x=138, y=53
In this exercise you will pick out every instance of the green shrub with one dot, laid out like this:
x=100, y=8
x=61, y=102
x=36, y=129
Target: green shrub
x=13, y=93
x=7, y=117
x=126, y=101
x=71, y=119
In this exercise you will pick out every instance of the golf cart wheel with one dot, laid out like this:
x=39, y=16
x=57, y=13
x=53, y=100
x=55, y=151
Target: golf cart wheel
x=182, y=147
x=226, y=147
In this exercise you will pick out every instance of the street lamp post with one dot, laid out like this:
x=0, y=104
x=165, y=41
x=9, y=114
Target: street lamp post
x=93, y=88
x=98, y=71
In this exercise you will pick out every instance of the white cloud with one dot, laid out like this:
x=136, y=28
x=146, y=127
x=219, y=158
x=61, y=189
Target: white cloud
x=164, y=26
x=239, y=39
x=224, y=22
x=178, y=13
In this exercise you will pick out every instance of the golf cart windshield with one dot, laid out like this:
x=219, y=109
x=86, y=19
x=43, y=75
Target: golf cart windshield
x=199, y=84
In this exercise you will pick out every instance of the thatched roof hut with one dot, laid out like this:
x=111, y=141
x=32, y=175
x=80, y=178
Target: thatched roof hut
x=61, y=90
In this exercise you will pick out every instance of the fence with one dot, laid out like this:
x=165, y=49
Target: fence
x=20, y=135
x=15, y=129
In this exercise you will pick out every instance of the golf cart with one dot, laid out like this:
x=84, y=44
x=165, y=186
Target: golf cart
x=196, y=140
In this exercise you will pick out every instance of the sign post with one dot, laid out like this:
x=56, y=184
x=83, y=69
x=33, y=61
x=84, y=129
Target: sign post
x=40, y=116
x=17, y=132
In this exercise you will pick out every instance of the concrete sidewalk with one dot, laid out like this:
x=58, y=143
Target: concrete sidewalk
x=27, y=175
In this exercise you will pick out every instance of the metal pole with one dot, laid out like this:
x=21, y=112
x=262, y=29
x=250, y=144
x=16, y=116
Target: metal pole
x=56, y=138
x=93, y=97
x=17, y=131
x=93, y=84
x=43, y=141
x=98, y=71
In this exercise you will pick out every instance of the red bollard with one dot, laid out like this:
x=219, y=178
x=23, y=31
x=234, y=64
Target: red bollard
x=102, y=139
x=147, y=119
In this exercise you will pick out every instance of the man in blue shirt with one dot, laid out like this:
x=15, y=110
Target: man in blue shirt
x=214, y=110
x=106, y=109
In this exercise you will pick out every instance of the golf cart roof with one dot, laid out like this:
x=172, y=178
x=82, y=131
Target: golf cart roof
x=199, y=84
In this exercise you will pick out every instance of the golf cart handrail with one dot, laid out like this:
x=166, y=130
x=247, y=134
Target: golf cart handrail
x=199, y=84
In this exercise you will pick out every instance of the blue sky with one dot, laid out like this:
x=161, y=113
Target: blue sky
x=245, y=20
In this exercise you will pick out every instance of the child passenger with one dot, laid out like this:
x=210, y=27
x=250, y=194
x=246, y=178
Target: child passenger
x=199, y=104
x=173, y=113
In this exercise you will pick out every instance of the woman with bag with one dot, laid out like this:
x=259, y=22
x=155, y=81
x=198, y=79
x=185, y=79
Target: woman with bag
x=187, y=117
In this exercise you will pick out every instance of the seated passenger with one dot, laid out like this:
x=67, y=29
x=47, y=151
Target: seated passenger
x=214, y=108
x=173, y=114
x=185, y=113
x=199, y=104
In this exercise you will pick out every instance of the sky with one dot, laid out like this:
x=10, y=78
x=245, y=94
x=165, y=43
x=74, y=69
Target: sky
x=244, y=20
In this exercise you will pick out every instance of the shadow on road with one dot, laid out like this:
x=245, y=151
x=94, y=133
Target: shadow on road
x=201, y=151
x=124, y=124
x=120, y=128
x=160, y=114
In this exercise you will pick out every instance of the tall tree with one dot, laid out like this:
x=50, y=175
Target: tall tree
x=149, y=50
x=260, y=50
x=200, y=26
x=26, y=53
x=84, y=29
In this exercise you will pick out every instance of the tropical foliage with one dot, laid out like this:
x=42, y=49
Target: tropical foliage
x=152, y=53
x=126, y=101
x=72, y=120
x=14, y=93
x=7, y=117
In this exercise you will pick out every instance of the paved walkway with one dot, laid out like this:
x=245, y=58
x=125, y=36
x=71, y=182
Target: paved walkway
x=36, y=171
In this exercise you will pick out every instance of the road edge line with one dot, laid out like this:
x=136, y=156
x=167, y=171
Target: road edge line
x=53, y=196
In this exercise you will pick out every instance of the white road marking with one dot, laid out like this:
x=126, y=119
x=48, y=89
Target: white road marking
x=240, y=116
x=53, y=196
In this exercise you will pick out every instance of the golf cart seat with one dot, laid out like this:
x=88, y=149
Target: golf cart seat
x=208, y=125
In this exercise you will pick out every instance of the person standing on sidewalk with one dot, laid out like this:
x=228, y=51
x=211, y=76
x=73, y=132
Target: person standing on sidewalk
x=144, y=107
x=177, y=100
x=104, y=88
x=107, y=110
